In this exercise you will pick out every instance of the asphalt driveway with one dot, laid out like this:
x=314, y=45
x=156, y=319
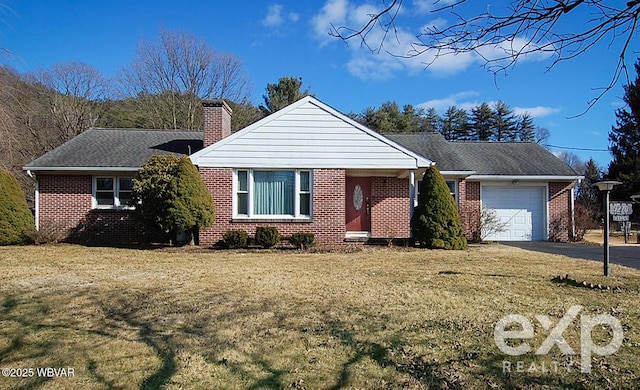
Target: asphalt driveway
x=628, y=256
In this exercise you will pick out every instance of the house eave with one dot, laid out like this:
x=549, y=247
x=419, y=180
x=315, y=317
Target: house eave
x=76, y=170
x=529, y=178
x=457, y=174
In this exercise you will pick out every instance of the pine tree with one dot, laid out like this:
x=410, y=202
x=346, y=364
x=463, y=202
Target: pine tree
x=288, y=90
x=436, y=222
x=624, y=141
x=455, y=124
x=431, y=121
x=482, y=122
x=504, y=123
x=526, y=129
x=587, y=194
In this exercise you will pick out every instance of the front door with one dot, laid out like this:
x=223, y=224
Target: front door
x=358, y=213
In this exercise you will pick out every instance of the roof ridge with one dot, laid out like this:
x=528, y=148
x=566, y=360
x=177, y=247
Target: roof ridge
x=148, y=130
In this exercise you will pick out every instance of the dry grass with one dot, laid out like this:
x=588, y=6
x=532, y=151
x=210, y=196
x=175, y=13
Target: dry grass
x=595, y=237
x=378, y=318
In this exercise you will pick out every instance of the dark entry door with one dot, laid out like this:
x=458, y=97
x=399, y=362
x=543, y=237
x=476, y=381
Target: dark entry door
x=358, y=213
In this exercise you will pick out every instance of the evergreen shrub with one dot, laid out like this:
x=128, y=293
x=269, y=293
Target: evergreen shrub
x=234, y=239
x=16, y=220
x=436, y=221
x=267, y=236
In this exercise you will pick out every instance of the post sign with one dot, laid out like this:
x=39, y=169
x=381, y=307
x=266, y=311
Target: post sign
x=621, y=209
x=620, y=218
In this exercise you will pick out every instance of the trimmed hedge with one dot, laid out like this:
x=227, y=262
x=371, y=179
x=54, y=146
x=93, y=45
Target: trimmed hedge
x=16, y=220
x=303, y=240
x=234, y=239
x=267, y=236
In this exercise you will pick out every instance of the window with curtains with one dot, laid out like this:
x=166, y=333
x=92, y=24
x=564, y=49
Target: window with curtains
x=275, y=193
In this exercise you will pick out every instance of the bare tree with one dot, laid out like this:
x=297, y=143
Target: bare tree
x=572, y=160
x=543, y=135
x=169, y=77
x=73, y=91
x=509, y=31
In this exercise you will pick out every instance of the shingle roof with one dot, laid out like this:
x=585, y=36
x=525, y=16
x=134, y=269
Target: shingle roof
x=485, y=158
x=118, y=148
x=130, y=148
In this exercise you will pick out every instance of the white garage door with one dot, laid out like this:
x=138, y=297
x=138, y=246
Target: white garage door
x=520, y=209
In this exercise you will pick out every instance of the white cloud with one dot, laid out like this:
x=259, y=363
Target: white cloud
x=275, y=16
x=537, y=111
x=456, y=99
x=333, y=12
x=401, y=50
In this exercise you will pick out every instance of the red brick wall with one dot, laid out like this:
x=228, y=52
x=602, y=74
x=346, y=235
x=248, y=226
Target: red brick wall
x=217, y=121
x=64, y=200
x=65, y=206
x=559, y=210
x=328, y=223
x=390, y=208
x=469, y=206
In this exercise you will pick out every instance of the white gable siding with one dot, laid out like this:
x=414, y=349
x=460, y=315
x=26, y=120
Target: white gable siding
x=307, y=136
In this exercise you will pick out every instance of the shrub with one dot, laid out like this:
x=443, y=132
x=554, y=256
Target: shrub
x=49, y=233
x=586, y=218
x=234, y=239
x=303, y=240
x=436, y=221
x=169, y=194
x=267, y=236
x=16, y=220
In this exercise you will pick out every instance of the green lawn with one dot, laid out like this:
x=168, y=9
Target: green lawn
x=375, y=318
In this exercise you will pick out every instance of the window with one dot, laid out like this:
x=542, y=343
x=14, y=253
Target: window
x=273, y=193
x=112, y=192
x=453, y=188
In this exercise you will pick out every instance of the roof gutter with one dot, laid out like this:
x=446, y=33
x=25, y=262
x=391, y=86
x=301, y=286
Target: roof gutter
x=78, y=169
x=458, y=174
x=524, y=177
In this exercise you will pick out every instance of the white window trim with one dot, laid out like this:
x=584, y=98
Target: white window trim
x=296, y=201
x=455, y=188
x=116, y=192
x=454, y=194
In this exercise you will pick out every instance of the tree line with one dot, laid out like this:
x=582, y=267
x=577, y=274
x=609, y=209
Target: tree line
x=495, y=122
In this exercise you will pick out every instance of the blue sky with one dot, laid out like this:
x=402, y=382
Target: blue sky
x=290, y=38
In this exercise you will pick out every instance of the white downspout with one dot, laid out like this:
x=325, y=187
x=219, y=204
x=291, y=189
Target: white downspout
x=36, y=200
x=412, y=192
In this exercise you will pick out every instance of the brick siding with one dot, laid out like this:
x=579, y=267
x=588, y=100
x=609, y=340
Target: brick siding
x=559, y=210
x=65, y=206
x=470, y=208
x=390, y=208
x=328, y=223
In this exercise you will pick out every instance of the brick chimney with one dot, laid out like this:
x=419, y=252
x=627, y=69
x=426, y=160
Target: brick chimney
x=217, y=121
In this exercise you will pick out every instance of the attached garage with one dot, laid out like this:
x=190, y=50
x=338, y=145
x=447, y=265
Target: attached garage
x=521, y=209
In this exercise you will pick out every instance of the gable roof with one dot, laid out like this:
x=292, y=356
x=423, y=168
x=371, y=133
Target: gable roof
x=308, y=134
x=100, y=149
x=487, y=158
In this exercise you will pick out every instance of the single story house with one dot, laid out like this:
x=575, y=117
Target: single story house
x=305, y=168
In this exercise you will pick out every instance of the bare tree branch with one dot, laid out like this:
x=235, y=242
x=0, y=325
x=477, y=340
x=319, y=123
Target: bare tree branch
x=519, y=30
